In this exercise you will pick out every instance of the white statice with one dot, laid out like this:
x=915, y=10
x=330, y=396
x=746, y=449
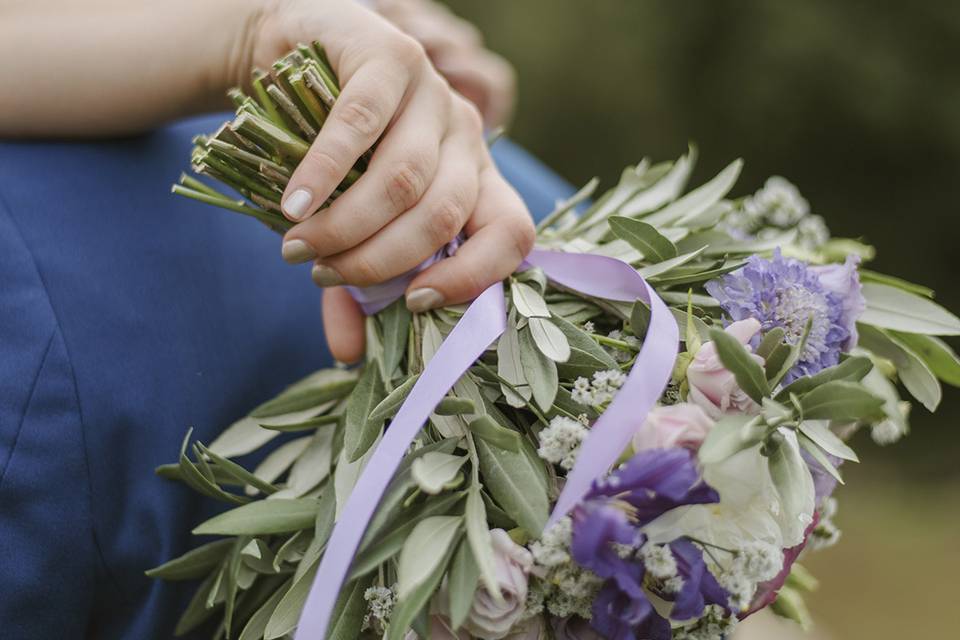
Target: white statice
x=564, y=588
x=753, y=563
x=886, y=432
x=659, y=560
x=598, y=391
x=826, y=533
x=380, y=603
x=589, y=327
x=812, y=232
x=560, y=441
x=778, y=203
x=750, y=508
x=714, y=625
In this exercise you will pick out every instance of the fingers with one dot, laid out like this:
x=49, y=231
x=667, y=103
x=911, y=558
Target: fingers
x=403, y=167
x=364, y=109
x=343, y=325
x=485, y=79
x=420, y=232
x=501, y=234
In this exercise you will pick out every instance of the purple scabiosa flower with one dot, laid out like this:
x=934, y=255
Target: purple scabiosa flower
x=607, y=540
x=783, y=292
x=844, y=280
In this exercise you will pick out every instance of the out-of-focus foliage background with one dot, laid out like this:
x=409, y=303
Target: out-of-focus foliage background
x=858, y=103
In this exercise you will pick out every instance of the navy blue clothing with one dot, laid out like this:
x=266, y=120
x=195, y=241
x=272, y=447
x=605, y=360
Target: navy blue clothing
x=128, y=315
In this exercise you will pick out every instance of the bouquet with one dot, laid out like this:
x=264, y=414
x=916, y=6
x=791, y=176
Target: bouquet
x=636, y=436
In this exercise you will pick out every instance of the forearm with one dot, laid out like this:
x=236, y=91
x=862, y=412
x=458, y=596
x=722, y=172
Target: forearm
x=110, y=68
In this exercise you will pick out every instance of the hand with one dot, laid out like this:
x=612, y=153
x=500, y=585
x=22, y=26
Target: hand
x=457, y=51
x=430, y=176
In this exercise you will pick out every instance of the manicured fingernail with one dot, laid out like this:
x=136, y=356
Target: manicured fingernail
x=326, y=276
x=297, y=204
x=297, y=251
x=424, y=299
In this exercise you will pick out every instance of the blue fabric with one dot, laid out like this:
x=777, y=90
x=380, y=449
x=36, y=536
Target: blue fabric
x=128, y=315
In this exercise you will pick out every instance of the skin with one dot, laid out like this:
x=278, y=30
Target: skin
x=431, y=175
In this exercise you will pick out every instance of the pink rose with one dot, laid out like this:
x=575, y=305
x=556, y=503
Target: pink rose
x=488, y=618
x=439, y=630
x=679, y=425
x=530, y=629
x=712, y=387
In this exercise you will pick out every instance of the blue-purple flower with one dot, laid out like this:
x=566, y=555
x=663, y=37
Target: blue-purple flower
x=607, y=539
x=783, y=292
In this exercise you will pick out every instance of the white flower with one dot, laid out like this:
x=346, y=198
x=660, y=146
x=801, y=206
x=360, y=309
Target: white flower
x=560, y=441
x=380, y=602
x=553, y=547
x=779, y=203
x=759, y=561
x=750, y=509
x=600, y=390
x=714, y=625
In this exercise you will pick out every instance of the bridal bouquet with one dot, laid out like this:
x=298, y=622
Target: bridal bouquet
x=634, y=437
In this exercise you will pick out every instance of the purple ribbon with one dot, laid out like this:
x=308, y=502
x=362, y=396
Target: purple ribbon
x=483, y=323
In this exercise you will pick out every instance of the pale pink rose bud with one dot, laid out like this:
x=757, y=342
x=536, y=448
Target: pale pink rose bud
x=680, y=425
x=712, y=387
x=531, y=629
x=488, y=618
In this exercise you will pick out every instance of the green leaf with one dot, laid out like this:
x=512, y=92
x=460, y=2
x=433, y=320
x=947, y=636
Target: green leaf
x=698, y=200
x=586, y=356
x=423, y=552
x=322, y=527
x=462, y=583
x=359, y=433
x=771, y=340
x=852, y=369
x=510, y=367
x=307, y=425
x=817, y=454
x=407, y=608
x=842, y=401
x=913, y=371
x=735, y=357
x=793, y=483
x=478, y=537
x=893, y=281
x=639, y=319
x=234, y=470
x=257, y=624
x=491, y=431
x=280, y=459
x=938, y=355
x=820, y=433
x=665, y=189
x=395, y=325
x=454, y=406
x=194, y=563
x=262, y=517
x=644, y=238
x=665, y=267
x=348, y=614
x=542, y=371
x=197, y=612
x=389, y=406
x=378, y=549
x=528, y=302
x=550, y=340
x=434, y=470
x=313, y=465
x=514, y=483
x=318, y=388
x=793, y=355
x=729, y=436
x=892, y=308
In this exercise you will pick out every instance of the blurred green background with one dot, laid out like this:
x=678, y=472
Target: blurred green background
x=856, y=102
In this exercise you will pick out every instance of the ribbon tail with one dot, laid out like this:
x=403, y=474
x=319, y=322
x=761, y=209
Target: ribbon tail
x=482, y=323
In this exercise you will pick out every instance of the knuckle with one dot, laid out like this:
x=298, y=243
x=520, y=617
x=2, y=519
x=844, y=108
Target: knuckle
x=322, y=164
x=471, y=117
x=364, y=271
x=361, y=115
x=408, y=51
x=405, y=185
x=445, y=221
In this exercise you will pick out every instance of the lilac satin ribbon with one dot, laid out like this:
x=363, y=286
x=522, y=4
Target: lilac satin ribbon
x=483, y=323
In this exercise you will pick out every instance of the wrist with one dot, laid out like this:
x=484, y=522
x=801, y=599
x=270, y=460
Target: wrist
x=234, y=26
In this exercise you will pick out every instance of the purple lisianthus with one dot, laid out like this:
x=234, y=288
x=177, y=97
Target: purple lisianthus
x=844, y=280
x=607, y=539
x=783, y=292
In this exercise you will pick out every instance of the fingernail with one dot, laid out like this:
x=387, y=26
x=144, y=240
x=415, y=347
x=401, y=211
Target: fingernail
x=326, y=276
x=297, y=205
x=297, y=251
x=424, y=299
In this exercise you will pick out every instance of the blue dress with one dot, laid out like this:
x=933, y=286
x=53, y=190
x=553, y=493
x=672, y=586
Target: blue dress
x=128, y=315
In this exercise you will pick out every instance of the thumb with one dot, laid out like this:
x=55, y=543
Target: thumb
x=343, y=325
